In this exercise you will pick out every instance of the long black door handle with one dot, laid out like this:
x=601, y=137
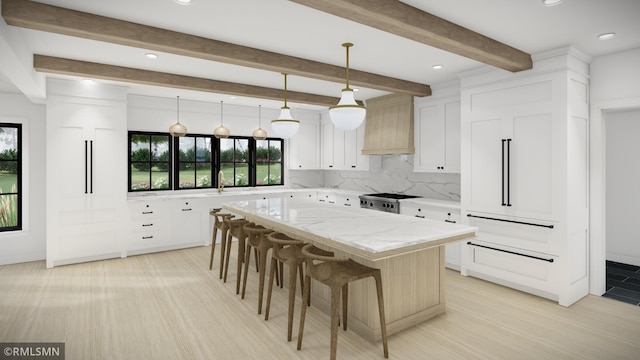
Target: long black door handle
x=502, y=177
x=86, y=173
x=508, y=172
x=91, y=167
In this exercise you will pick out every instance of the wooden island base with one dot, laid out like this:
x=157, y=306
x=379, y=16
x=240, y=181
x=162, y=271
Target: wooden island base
x=413, y=288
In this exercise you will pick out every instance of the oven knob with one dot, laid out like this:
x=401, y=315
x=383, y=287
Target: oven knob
x=392, y=206
x=371, y=204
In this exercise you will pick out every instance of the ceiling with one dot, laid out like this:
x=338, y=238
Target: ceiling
x=288, y=28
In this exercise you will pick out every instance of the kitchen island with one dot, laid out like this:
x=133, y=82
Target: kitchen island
x=408, y=251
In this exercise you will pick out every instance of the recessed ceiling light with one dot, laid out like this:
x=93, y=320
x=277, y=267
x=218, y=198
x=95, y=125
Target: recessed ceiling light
x=607, y=36
x=87, y=81
x=151, y=55
x=551, y=2
x=437, y=67
x=183, y=2
x=355, y=89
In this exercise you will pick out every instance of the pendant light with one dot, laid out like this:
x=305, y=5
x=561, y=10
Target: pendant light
x=178, y=129
x=259, y=133
x=285, y=126
x=221, y=132
x=347, y=115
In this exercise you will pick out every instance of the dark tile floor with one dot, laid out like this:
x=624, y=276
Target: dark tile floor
x=623, y=282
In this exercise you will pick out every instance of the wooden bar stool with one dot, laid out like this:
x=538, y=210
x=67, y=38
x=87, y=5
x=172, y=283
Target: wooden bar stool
x=219, y=224
x=256, y=239
x=337, y=273
x=235, y=230
x=287, y=251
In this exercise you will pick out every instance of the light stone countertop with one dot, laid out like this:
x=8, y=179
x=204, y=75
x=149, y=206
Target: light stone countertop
x=369, y=234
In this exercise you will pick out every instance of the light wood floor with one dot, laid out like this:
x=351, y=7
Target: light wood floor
x=170, y=306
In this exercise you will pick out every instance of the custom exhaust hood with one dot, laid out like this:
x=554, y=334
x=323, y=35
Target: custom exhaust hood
x=389, y=125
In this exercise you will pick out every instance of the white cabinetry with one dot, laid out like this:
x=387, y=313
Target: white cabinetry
x=439, y=212
x=437, y=134
x=343, y=150
x=86, y=172
x=149, y=226
x=304, y=147
x=524, y=178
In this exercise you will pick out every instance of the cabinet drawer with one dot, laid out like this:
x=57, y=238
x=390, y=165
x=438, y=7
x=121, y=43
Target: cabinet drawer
x=512, y=265
x=517, y=235
x=146, y=209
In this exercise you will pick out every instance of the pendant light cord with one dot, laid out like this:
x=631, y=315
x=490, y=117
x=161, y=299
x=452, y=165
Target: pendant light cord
x=285, y=90
x=347, y=46
x=260, y=116
x=221, y=118
x=178, y=100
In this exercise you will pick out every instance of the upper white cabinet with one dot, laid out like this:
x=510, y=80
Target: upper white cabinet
x=437, y=134
x=86, y=172
x=524, y=177
x=342, y=150
x=304, y=153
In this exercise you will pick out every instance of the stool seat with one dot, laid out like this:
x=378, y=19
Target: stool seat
x=337, y=273
x=219, y=224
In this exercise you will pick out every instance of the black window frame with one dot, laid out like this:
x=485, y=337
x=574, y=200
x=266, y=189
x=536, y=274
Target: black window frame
x=216, y=164
x=18, y=193
x=213, y=162
x=269, y=161
x=150, y=134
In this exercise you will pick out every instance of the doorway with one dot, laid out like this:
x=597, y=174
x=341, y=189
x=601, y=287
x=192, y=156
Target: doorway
x=615, y=176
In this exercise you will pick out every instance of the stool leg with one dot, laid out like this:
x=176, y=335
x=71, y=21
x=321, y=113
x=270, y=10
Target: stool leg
x=335, y=318
x=303, y=309
x=241, y=253
x=223, y=245
x=292, y=299
x=271, y=275
x=213, y=247
x=246, y=268
x=383, y=323
x=262, y=272
x=228, y=239
x=345, y=304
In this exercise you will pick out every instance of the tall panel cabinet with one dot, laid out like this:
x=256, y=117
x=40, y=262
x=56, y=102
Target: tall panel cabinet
x=86, y=171
x=524, y=176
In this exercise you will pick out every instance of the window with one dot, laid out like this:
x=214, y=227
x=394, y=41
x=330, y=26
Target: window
x=268, y=162
x=195, y=164
x=199, y=159
x=10, y=177
x=234, y=161
x=150, y=161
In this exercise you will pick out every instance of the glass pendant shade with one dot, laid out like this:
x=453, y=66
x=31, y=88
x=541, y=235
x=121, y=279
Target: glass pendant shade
x=221, y=132
x=347, y=115
x=178, y=129
x=259, y=133
x=285, y=126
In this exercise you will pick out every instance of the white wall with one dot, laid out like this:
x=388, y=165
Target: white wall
x=28, y=244
x=623, y=190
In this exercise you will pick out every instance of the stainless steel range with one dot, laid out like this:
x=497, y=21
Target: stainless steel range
x=383, y=201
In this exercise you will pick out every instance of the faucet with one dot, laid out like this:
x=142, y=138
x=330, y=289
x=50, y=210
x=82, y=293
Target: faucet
x=220, y=181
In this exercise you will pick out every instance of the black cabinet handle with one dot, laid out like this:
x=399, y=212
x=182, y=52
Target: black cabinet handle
x=508, y=172
x=510, y=252
x=147, y=237
x=147, y=212
x=91, y=167
x=147, y=225
x=420, y=216
x=502, y=177
x=450, y=221
x=510, y=221
x=86, y=173
x=186, y=209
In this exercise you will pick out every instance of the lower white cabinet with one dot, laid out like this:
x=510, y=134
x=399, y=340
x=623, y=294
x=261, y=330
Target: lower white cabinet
x=148, y=226
x=441, y=212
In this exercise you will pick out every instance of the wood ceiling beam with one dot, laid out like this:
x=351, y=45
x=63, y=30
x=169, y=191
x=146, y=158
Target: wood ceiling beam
x=409, y=22
x=38, y=16
x=55, y=65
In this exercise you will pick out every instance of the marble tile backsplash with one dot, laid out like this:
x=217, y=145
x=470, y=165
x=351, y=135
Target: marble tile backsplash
x=395, y=175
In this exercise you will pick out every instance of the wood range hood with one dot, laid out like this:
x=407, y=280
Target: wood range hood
x=389, y=125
